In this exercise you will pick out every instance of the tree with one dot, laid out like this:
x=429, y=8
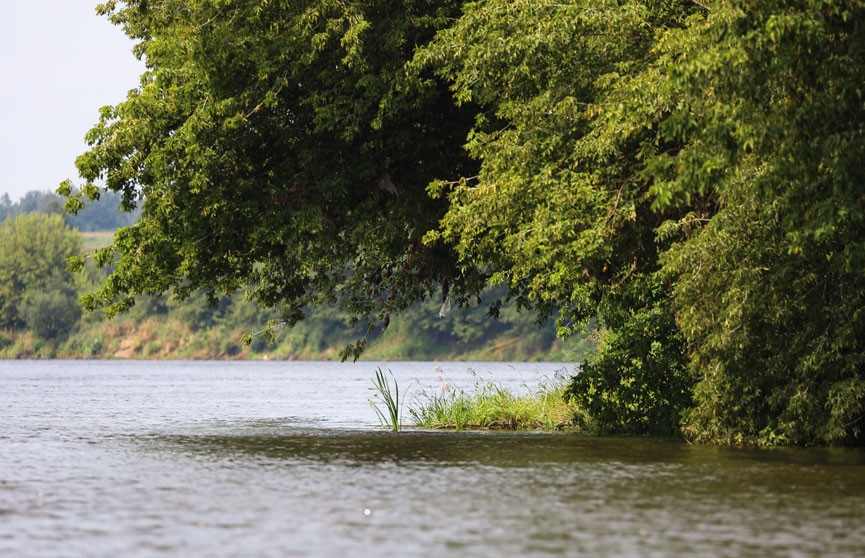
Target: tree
x=658, y=160
x=769, y=291
x=561, y=211
x=687, y=173
x=35, y=201
x=278, y=147
x=33, y=253
x=51, y=309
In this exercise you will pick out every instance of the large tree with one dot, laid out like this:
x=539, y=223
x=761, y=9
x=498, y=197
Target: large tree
x=692, y=173
x=277, y=146
x=770, y=292
x=688, y=173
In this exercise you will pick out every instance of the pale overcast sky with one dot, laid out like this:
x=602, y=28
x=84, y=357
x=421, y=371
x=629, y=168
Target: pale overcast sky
x=59, y=62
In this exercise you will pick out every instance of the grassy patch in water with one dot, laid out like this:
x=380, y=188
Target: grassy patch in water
x=491, y=406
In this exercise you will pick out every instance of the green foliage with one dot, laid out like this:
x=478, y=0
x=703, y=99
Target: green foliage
x=161, y=327
x=193, y=327
x=277, y=147
x=33, y=253
x=638, y=382
x=778, y=336
x=50, y=310
x=561, y=211
x=769, y=292
x=715, y=148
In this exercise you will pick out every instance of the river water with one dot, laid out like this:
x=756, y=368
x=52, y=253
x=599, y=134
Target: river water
x=132, y=458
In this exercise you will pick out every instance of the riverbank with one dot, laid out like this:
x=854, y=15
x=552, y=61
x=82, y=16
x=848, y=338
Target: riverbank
x=166, y=337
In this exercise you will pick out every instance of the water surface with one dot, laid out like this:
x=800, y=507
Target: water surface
x=285, y=459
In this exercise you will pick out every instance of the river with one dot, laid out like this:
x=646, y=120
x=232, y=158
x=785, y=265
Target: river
x=136, y=458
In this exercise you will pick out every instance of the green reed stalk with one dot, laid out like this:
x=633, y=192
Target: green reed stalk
x=389, y=397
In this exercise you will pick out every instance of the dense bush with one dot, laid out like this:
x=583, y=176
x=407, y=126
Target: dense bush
x=52, y=310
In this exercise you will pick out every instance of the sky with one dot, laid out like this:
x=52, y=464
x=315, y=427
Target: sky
x=59, y=63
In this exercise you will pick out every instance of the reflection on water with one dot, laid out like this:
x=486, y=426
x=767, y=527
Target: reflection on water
x=495, y=449
x=191, y=461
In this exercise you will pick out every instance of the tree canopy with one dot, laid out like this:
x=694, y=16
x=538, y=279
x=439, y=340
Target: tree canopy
x=686, y=173
x=277, y=146
x=769, y=292
x=35, y=288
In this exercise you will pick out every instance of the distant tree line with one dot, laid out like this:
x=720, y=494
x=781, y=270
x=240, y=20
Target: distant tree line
x=40, y=297
x=101, y=215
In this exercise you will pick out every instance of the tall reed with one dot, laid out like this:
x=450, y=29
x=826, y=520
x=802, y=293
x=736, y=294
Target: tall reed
x=388, y=397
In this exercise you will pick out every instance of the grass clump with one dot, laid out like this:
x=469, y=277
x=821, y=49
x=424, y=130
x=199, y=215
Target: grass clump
x=491, y=406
